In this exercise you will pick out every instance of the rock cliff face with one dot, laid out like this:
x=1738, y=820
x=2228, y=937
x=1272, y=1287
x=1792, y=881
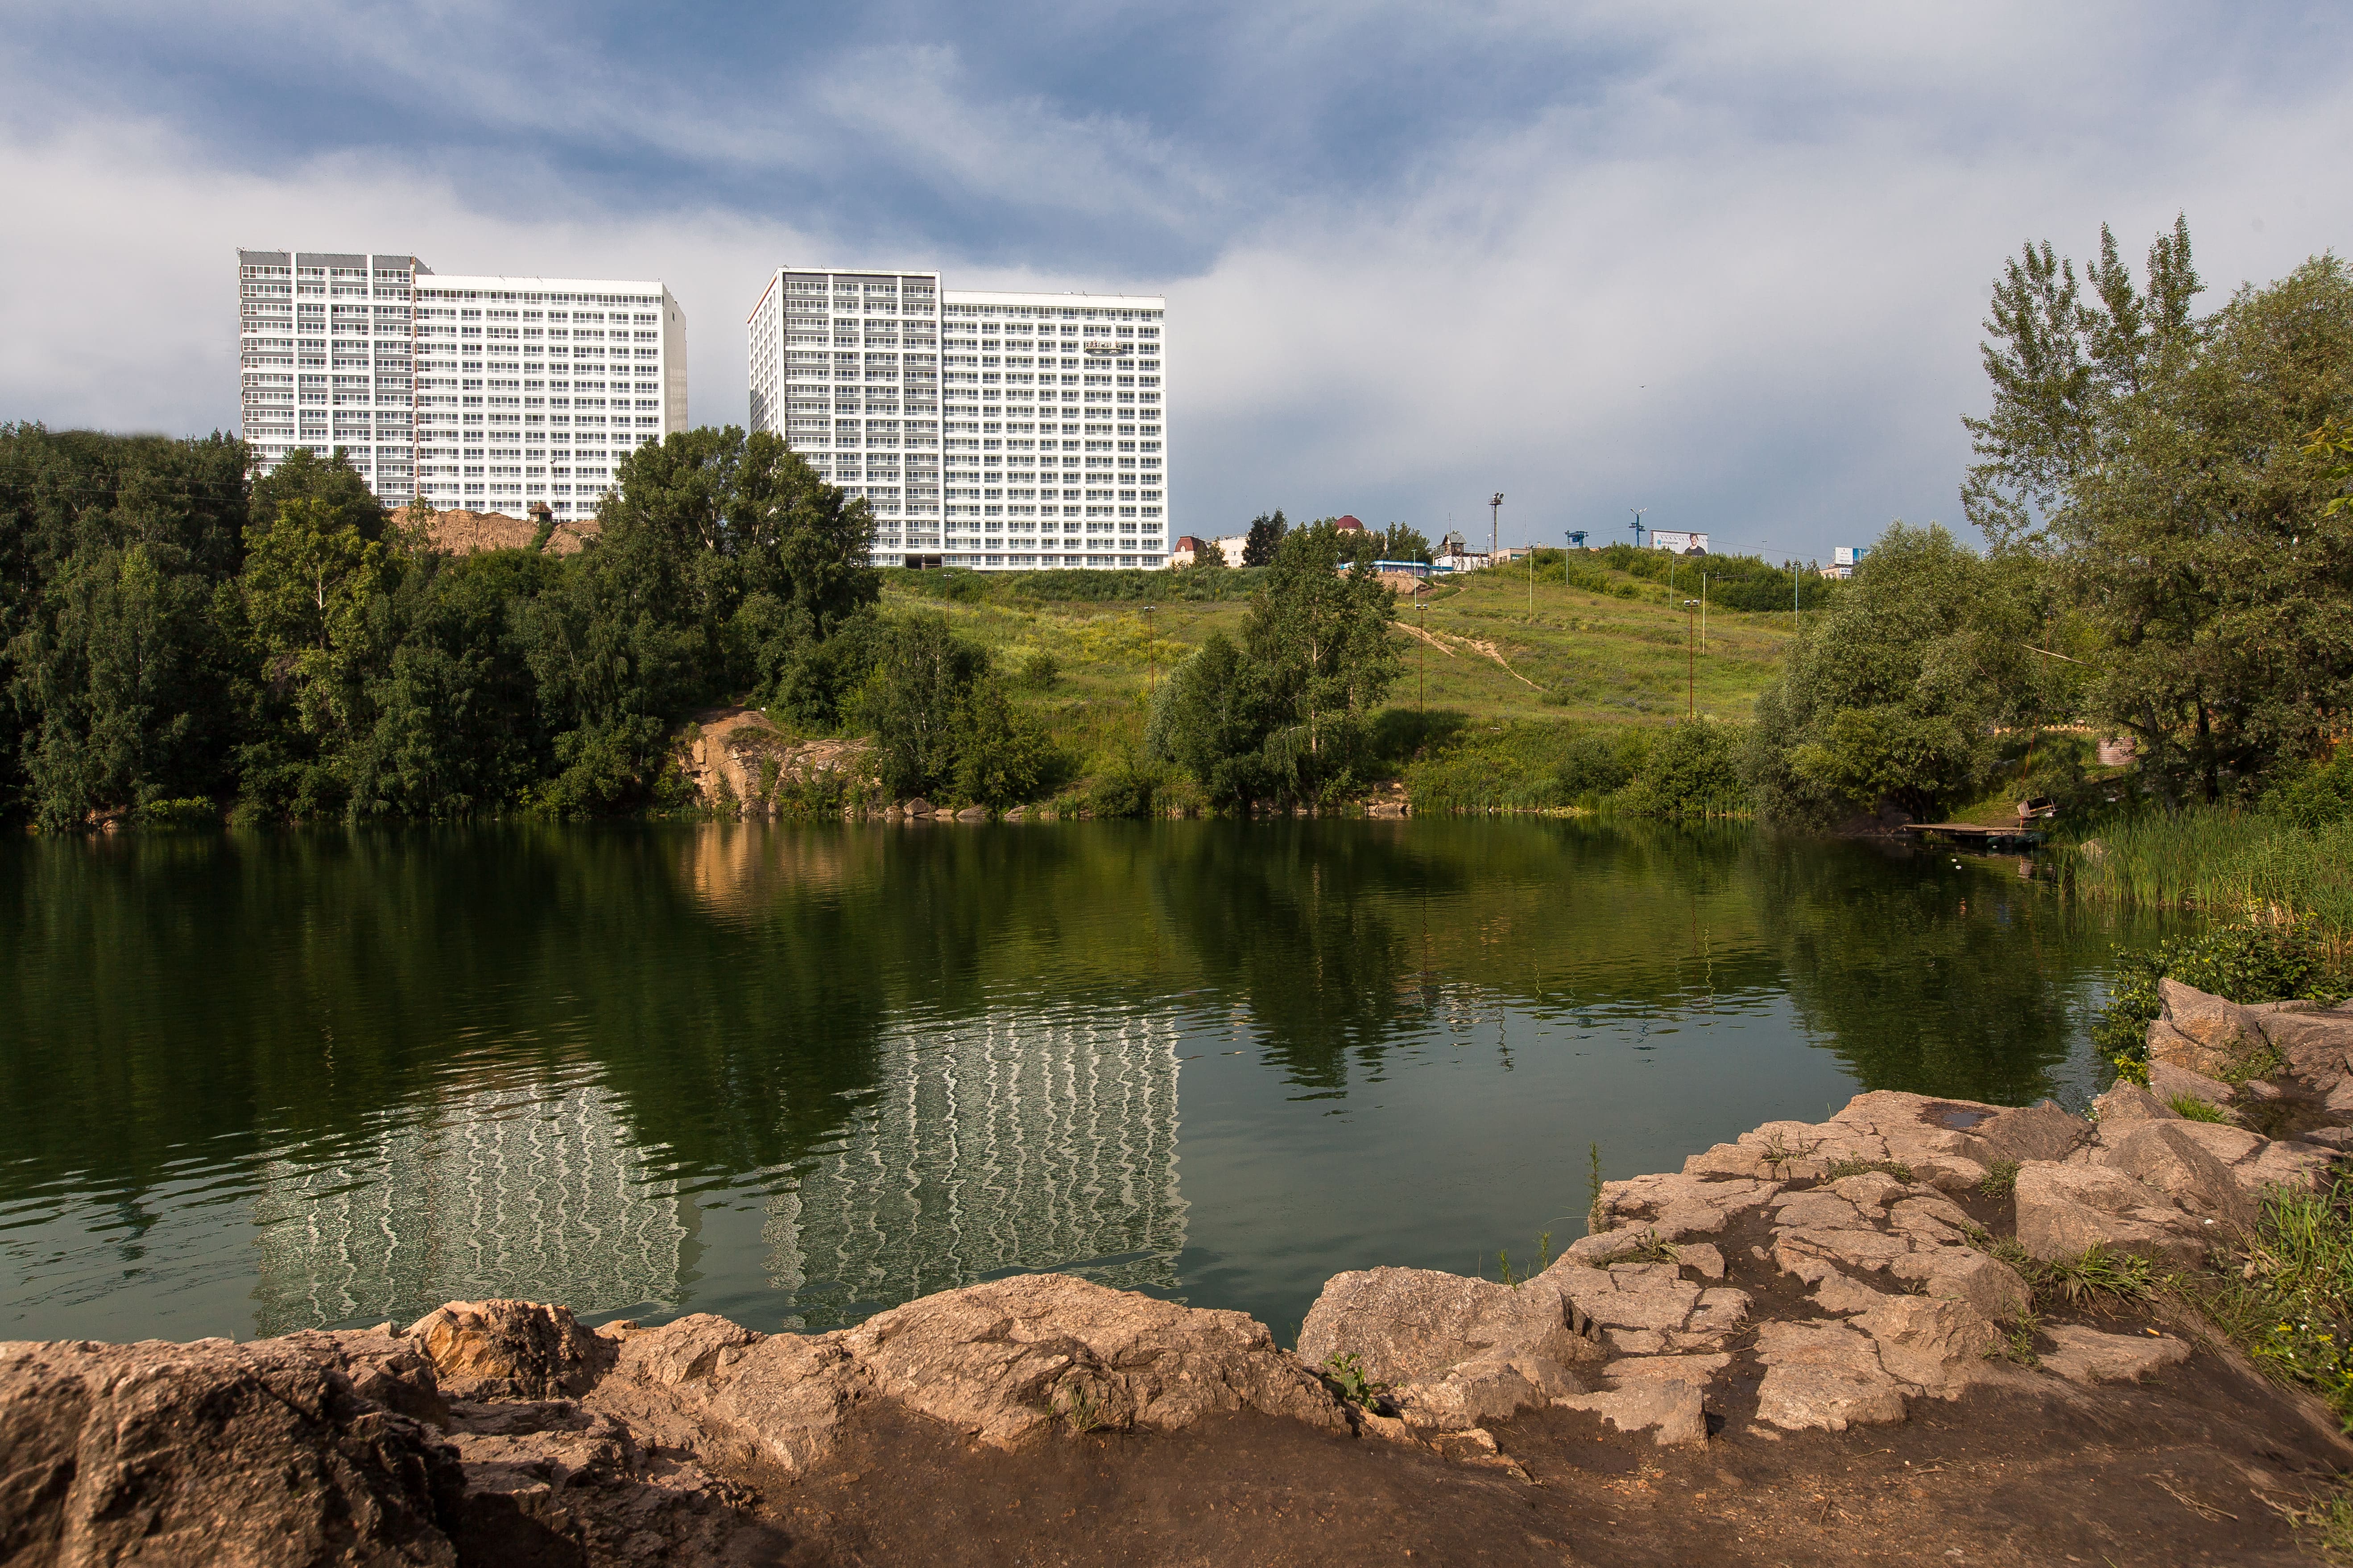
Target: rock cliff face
x=1805, y=1276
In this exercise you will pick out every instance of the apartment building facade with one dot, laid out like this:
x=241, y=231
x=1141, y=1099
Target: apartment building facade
x=486, y=393
x=996, y=431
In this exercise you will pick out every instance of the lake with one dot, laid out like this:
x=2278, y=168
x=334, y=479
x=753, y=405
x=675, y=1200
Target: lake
x=795, y=1074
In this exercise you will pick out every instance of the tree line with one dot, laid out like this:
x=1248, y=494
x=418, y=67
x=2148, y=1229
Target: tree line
x=175, y=633
x=2171, y=555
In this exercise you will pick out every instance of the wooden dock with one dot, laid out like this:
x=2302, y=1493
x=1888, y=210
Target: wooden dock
x=1976, y=836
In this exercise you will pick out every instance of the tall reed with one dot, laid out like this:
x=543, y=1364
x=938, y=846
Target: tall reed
x=2229, y=864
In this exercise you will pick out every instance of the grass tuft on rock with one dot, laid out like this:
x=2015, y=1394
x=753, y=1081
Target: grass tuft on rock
x=2189, y=1108
x=1895, y=1168
x=2290, y=1304
x=2000, y=1179
x=2099, y=1270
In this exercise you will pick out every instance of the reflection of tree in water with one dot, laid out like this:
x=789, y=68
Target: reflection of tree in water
x=1306, y=924
x=1922, y=978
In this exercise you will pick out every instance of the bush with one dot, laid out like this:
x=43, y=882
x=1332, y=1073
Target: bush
x=1690, y=771
x=2319, y=796
x=2239, y=964
x=1040, y=671
x=1520, y=766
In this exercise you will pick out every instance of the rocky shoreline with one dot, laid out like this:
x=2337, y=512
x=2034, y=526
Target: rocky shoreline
x=1782, y=1289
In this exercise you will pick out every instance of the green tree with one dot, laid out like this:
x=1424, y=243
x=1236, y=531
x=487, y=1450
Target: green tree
x=1892, y=694
x=330, y=482
x=1319, y=635
x=1266, y=532
x=115, y=682
x=1401, y=541
x=2162, y=463
x=1209, y=719
x=1693, y=770
x=1286, y=714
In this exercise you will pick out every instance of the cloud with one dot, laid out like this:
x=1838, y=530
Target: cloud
x=1724, y=262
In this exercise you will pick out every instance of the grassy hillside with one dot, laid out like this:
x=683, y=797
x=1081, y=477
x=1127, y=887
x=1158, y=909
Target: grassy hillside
x=1608, y=647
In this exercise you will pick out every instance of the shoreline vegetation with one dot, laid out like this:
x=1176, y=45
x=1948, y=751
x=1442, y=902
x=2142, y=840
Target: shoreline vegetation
x=2163, y=494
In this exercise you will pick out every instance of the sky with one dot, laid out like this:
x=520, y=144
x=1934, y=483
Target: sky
x=1727, y=263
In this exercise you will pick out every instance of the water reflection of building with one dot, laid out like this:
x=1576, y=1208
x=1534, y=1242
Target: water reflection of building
x=1017, y=1142
x=518, y=1191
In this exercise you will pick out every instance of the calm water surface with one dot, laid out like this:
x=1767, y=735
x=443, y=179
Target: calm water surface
x=797, y=1074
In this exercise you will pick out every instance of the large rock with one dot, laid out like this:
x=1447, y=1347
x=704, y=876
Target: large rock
x=2204, y=1026
x=1001, y=1360
x=2064, y=1210
x=1823, y=1375
x=1671, y=1406
x=1933, y=1342
x=2168, y=1156
x=2126, y=1102
x=1965, y=1274
x=2087, y=1355
x=703, y=1384
x=2315, y=1042
x=2168, y=1083
x=506, y=1349
x=1671, y=1208
x=2030, y=1132
x=1408, y=1325
x=245, y=1455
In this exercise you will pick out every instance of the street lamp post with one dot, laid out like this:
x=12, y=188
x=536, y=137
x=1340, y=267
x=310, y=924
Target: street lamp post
x=1691, y=661
x=1638, y=512
x=1494, y=512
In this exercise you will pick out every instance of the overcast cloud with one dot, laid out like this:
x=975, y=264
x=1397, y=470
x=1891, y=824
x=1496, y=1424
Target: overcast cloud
x=1726, y=262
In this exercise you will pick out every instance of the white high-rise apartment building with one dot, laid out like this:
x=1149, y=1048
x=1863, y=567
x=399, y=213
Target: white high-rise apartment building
x=998, y=431
x=484, y=393
x=326, y=348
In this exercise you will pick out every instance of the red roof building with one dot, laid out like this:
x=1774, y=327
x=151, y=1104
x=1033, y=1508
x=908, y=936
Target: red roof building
x=1346, y=524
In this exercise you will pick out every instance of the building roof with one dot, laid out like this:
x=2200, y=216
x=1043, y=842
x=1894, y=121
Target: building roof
x=1348, y=524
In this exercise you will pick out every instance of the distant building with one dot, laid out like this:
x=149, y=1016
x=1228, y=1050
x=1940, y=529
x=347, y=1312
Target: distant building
x=1348, y=524
x=483, y=393
x=1233, y=544
x=1844, y=558
x=995, y=431
x=1674, y=542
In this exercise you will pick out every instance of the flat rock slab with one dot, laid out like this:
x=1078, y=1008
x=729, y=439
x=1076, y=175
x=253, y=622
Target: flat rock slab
x=1671, y=1406
x=2088, y=1356
x=1408, y=1325
x=1823, y=1375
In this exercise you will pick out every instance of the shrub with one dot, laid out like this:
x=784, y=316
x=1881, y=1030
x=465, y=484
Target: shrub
x=1690, y=771
x=1040, y=671
x=2239, y=964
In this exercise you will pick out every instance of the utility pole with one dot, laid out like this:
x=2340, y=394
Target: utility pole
x=1421, y=652
x=1638, y=512
x=1690, y=663
x=1494, y=539
x=1703, y=609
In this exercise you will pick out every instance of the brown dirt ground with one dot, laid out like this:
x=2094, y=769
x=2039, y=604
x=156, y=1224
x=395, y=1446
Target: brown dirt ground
x=2182, y=1469
x=2175, y=1472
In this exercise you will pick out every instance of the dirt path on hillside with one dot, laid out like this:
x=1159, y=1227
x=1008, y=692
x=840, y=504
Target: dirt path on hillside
x=1446, y=643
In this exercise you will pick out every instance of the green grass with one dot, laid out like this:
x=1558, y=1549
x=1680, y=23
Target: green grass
x=1895, y=1168
x=2000, y=1179
x=2189, y=1108
x=1603, y=652
x=2099, y=1270
x=2224, y=862
x=2290, y=1307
